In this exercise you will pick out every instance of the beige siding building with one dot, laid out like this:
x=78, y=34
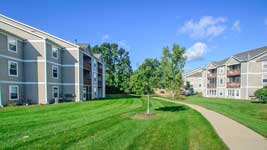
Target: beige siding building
x=237, y=77
x=39, y=68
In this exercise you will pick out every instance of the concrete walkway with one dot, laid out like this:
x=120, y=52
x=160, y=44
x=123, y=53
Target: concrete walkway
x=235, y=135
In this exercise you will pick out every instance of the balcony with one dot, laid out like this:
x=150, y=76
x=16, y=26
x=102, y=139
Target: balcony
x=211, y=75
x=87, y=81
x=100, y=83
x=87, y=66
x=235, y=72
x=233, y=85
x=211, y=85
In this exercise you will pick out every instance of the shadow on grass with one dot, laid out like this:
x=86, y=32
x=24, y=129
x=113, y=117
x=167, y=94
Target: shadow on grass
x=172, y=108
x=117, y=97
x=258, y=102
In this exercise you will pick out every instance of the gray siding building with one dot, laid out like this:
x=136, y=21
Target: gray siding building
x=238, y=76
x=39, y=68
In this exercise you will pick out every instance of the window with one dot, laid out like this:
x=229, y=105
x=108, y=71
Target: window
x=237, y=93
x=264, y=65
x=12, y=68
x=55, y=92
x=95, y=91
x=84, y=93
x=94, y=62
x=94, y=76
x=264, y=79
x=221, y=70
x=54, y=52
x=199, y=85
x=221, y=81
x=12, y=44
x=55, y=72
x=13, y=92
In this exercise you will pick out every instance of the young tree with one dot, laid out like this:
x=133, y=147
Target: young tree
x=145, y=78
x=172, y=64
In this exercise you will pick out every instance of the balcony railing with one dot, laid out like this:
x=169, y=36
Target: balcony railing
x=211, y=85
x=100, y=83
x=212, y=74
x=235, y=72
x=233, y=85
x=87, y=81
x=87, y=66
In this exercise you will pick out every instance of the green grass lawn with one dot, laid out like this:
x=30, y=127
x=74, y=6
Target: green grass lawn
x=251, y=114
x=106, y=124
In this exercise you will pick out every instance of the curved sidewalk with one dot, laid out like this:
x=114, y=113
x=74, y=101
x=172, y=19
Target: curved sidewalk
x=235, y=135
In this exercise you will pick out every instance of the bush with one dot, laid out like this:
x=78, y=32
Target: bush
x=199, y=94
x=261, y=94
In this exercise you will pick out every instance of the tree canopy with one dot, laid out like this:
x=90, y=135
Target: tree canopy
x=166, y=73
x=118, y=67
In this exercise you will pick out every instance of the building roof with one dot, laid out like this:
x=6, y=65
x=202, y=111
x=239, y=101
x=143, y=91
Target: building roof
x=247, y=55
x=36, y=31
x=244, y=56
x=196, y=74
x=193, y=73
x=98, y=56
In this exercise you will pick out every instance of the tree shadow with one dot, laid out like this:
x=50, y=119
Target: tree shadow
x=172, y=108
x=258, y=102
x=117, y=97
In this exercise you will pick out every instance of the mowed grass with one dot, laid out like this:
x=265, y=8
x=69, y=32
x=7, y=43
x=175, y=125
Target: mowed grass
x=106, y=124
x=250, y=113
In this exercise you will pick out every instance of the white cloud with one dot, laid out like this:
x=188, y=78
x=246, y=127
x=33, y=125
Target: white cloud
x=124, y=44
x=236, y=26
x=105, y=37
x=196, y=51
x=205, y=27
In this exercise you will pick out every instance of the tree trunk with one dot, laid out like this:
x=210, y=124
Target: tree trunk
x=148, y=104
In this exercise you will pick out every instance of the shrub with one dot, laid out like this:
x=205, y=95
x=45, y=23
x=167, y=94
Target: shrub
x=199, y=94
x=261, y=94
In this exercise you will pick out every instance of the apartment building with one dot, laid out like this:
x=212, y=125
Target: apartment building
x=39, y=68
x=195, y=79
x=237, y=76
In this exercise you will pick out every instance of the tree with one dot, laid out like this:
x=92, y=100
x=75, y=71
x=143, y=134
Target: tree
x=145, y=78
x=187, y=85
x=261, y=94
x=118, y=67
x=172, y=64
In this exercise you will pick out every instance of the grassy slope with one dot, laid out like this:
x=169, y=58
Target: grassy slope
x=105, y=125
x=253, y=115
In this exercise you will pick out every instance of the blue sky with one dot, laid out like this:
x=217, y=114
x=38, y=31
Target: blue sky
x=209, y=30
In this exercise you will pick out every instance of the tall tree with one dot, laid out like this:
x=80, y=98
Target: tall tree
x=145, y=78
x=118, y=67
x=172, y=64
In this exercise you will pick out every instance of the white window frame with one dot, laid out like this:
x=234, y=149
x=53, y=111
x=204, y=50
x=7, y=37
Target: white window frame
x=11, y=38
x=57, y=68
x=9, y=92
x=221, y=70
x=54, y=47
x=262, y=77
x=53, y=91
x=9, y=67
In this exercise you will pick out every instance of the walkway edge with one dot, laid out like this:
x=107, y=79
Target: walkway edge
x=235, y=135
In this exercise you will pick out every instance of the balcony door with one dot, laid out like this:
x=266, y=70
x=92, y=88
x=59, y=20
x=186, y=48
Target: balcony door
x=233, y=93
x=86, y=93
